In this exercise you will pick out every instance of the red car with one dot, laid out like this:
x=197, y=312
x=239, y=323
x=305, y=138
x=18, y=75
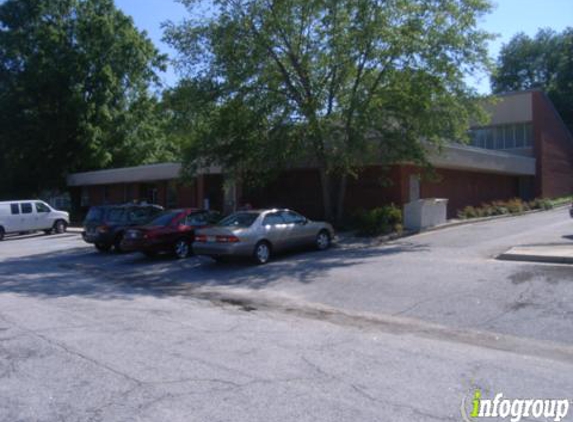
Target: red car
x=172, y=231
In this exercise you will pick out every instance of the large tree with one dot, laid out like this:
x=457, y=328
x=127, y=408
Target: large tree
x=75, y=80
x=544, y=62
x=332, y=83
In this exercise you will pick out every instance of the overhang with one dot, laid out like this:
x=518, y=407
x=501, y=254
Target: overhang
x=462, y=157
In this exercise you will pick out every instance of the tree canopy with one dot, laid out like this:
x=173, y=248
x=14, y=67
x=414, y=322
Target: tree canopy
x=336, y=84
x=544, y=62
x=75, y=79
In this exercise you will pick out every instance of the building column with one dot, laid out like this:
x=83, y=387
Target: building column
x=200, y=191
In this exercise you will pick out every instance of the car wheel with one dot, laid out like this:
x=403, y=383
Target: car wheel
x=102, y=247
x=1, y=233
x=117, y=243
x=182, y=248
x=322, y=240
x=262, y=252
x=60, y=226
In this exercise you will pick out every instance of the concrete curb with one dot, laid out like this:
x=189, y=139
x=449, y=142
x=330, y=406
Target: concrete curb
x=550, y=259
x=485, y=219
x=347, y=240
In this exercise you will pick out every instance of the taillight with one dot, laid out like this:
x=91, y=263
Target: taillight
x=227, y=239
x=200, y=238
x=102, y=229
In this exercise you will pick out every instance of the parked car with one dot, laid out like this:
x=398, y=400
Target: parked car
x=173, y=231
x=105, y=226
x=29, y=216
x=261, y=233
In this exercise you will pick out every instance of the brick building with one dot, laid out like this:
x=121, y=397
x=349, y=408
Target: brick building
x=525, y=151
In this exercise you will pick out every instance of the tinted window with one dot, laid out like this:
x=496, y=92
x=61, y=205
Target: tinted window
x=196, y=219
x=26, y=208
x=95, y=214
x=139, y=215
x=273, y=219
x=292, y=217
x=239, y=219
x=115, y=215
x=164, y=219
x=15, y=208
x=40, y=207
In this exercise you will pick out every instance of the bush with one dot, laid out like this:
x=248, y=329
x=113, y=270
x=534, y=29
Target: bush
x=378, y=221
x=541, y=204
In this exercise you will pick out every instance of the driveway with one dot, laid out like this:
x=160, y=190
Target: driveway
x=398, y=332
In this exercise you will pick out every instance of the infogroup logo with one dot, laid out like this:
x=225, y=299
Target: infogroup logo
x=514, y=409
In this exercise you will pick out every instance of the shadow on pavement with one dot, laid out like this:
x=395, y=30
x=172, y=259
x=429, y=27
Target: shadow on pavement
x=81, y=272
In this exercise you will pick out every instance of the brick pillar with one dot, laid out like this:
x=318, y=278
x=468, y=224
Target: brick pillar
x=200, y=190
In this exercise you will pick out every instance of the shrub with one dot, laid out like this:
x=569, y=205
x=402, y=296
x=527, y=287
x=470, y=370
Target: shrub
x=515, y=206
x=541, y=204
x=378, y=221
x=468, y=212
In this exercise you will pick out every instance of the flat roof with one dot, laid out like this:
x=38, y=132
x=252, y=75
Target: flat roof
x=145, y=173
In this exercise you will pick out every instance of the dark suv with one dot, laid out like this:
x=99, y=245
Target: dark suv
x=105, y=225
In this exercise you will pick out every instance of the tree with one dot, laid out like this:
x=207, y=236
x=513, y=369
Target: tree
x=544, y=62
x=75, y=80
x=335, y=83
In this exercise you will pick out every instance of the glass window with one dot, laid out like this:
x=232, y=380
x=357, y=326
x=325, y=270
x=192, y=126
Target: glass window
x=164, y=219
x=40, y=207
x=499, y=138
x=519, y=136
x=196, y=219
x=489, y=139
x=239, y=219
x=509, y=136
x=273, y=219
x=95, y=214
x=291, y=217
x=15, y=209
x=528, y=135
x=27, y=208
x=139, y=215
x=115, y=215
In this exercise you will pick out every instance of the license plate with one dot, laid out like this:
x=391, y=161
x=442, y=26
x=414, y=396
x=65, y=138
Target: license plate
x=211, y=238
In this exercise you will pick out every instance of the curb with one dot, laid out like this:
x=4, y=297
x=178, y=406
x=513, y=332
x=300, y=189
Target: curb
x=376, y=241
x=486, y=219
x=551, y=259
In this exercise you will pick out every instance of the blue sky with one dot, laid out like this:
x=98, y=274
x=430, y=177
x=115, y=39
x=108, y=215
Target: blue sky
x=508, y=18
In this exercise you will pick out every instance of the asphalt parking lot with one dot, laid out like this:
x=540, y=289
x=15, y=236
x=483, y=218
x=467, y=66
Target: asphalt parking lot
x=401, y=331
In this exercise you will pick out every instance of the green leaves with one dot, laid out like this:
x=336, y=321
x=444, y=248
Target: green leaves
x=344, y=82
x=75, y=78
x=544, y=62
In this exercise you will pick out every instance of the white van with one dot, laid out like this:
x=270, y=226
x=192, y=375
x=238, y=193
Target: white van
x=29, y=216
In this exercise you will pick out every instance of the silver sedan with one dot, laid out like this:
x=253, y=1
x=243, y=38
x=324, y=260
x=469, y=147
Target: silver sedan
x=261, y=233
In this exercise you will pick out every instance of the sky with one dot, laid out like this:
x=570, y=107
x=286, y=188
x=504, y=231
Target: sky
x=508, y=18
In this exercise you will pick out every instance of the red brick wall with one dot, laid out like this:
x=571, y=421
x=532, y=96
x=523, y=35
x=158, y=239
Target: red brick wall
x=553, y=145
x=463, y=188
x=187, y=196
x=374, y=187
x=296, y=189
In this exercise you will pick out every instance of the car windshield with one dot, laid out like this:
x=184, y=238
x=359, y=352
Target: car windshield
x=163, y=219
x=95, y=214
x=239, y=219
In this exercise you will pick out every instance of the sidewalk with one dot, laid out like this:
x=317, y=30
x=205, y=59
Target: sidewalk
x=551, y=253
